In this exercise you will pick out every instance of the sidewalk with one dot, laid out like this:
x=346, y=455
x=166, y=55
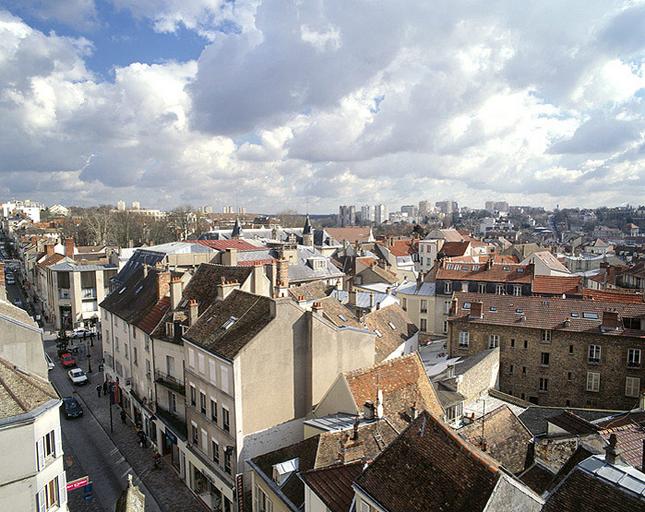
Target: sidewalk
x=168, y=490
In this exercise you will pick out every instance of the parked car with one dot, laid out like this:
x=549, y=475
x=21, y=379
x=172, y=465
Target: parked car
x=81, y=332
x=77, y=376
x=67, y=360
x=72, y=407
x=50, y=363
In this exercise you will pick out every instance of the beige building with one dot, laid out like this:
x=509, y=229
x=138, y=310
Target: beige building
x=254, y=369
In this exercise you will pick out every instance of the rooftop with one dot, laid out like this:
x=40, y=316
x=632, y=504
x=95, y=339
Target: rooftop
x=21, y=391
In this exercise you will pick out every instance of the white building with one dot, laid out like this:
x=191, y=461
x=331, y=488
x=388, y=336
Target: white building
x=120, y=205
x=29, y=208
x=368, y=213
x=380, y=213
x=59, y=210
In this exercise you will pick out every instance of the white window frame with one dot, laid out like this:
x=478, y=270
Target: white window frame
x=447, y=287
x=226, y=419
x=423, y=324
x=500, y=289
x=262, y=501
x=594, y=354
x=493, y=341
x=224, y=375
x=633, y=357
x=517, y=290
x=547, y=335
x=464, y=339
x=191, y=358
x=481, y=287
x=593, y=382
x=632, y=387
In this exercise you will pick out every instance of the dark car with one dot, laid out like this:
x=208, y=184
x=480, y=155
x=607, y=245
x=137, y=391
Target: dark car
x=71, y=407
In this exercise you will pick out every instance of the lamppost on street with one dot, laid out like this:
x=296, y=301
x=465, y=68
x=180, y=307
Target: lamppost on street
x=89, y=358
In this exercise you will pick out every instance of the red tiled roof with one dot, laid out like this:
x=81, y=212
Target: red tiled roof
x=480, y=272
x=151, y=319
x=612, y=296
x=51, y=260
x=351, y=234
x=403, y=247
x=222, y=245
x=557, y=285
x=454, y=248
x=629, y=442
x=573, y=315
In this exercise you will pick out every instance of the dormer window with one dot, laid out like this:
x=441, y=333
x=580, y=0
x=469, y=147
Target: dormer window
x=392, y=326
x=378, y=333
x=229, y=323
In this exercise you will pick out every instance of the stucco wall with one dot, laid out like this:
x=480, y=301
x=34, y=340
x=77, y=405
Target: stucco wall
x=23, y=345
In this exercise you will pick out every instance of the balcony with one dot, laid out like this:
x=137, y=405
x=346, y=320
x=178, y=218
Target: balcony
x=176, y=424
x=88, y=293
x=170, y=382
x=63, y=293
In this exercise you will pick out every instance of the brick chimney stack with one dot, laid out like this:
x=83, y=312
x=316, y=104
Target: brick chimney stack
x=193, y=312
x=49, y=249
x=611, y=451
x=163, y=283
x=69, y=247
x=610, y=321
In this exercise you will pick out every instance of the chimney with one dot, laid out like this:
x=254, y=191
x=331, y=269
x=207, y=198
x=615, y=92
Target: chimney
x=317, y=308
x=476, y=309
x=368, y=410
x=610, y=321
x=69, y=247
x=352, y=294
x=175, y=292
x=193, y=312
x=611, y=451
x=230, y=257
x=283, y=273
x=224, y=288
x=258, y=274
x=372, y=302
x=49, y=249
x=163, y=283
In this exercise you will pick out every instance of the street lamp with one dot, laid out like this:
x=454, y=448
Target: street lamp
x=89, y=358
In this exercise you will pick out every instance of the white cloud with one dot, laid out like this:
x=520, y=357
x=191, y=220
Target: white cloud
x=334, y=102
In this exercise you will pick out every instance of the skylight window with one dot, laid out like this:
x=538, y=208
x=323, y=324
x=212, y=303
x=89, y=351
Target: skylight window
x=492, y=308
x=343, y=318
x=519, y=311
x=589, y=316
x=506, y=268
x=139, y=288
x=575, y=314
x=229, y=323
x=466, y=305
x=378, y=333
x=122, y=290
x=392, y=326
x=475, y=267
x=520, y=270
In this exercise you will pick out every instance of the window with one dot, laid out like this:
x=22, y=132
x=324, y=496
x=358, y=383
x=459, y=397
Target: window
x=50, y=495
x=195, y=432
x=446, y=307
x=365, y=507
x=632, y=387
x=570, y=349
x=191, y=358
x=569, y=376
x=224, y=377
x=526, y=343
x=424, y=325
x=464, y=338
x=512, y=342
x=227, y=460
x=202, y=364
x=523, y=370
x=146, y=343
x=49, y=445
x=455, y=412
x=445, y=326
x=202, y=402
x=464, y=284
x=499, y=289
x=594, y=354
x=193, y=395
x=226, y=418
x=125, y=350
x=544, y=384
x=589, y=316
x=215, y=451
x=262, y=501
x=632, y=323
x=213, y=410
x=481, y=287
x=172, y=402
x=116, y=343
x=135, y=355
x=634, y=357
x=593, y=382
x=544, y=359
x=493, y=341
x=404, y=304
x=517, y=290
x=134, y=332
x=447, y=287
x=510, y=369
x=423, y=308
x=204, y=446
x=546, y=335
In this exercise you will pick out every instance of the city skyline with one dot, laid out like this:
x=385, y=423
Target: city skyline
x=109, y=99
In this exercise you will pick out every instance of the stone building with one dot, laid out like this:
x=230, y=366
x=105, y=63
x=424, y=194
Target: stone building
x=553, y=351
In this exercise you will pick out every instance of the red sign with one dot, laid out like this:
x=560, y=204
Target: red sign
x=78, y=483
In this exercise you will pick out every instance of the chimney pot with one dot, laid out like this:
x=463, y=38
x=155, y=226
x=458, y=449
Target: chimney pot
x=611, y=451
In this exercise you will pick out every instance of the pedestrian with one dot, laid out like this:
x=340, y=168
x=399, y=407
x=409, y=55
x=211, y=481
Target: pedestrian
x=98, y=390
x=105, y=386
x=122, y=416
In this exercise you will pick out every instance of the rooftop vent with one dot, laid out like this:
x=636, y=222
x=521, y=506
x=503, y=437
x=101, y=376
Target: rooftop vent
x=283, y=470
x=229, y=323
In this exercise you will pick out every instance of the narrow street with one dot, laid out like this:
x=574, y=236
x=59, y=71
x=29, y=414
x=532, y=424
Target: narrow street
x=90, y=448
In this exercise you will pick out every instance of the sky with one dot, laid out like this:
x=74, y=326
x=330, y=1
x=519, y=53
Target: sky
x=276, y=104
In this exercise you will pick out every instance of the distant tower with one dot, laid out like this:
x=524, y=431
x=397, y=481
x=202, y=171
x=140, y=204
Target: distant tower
x=120, y=205
x=307, y=233
x=236, y=234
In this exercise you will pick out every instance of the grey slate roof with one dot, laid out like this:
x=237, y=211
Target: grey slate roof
x=248, y=313
x=535, y=417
